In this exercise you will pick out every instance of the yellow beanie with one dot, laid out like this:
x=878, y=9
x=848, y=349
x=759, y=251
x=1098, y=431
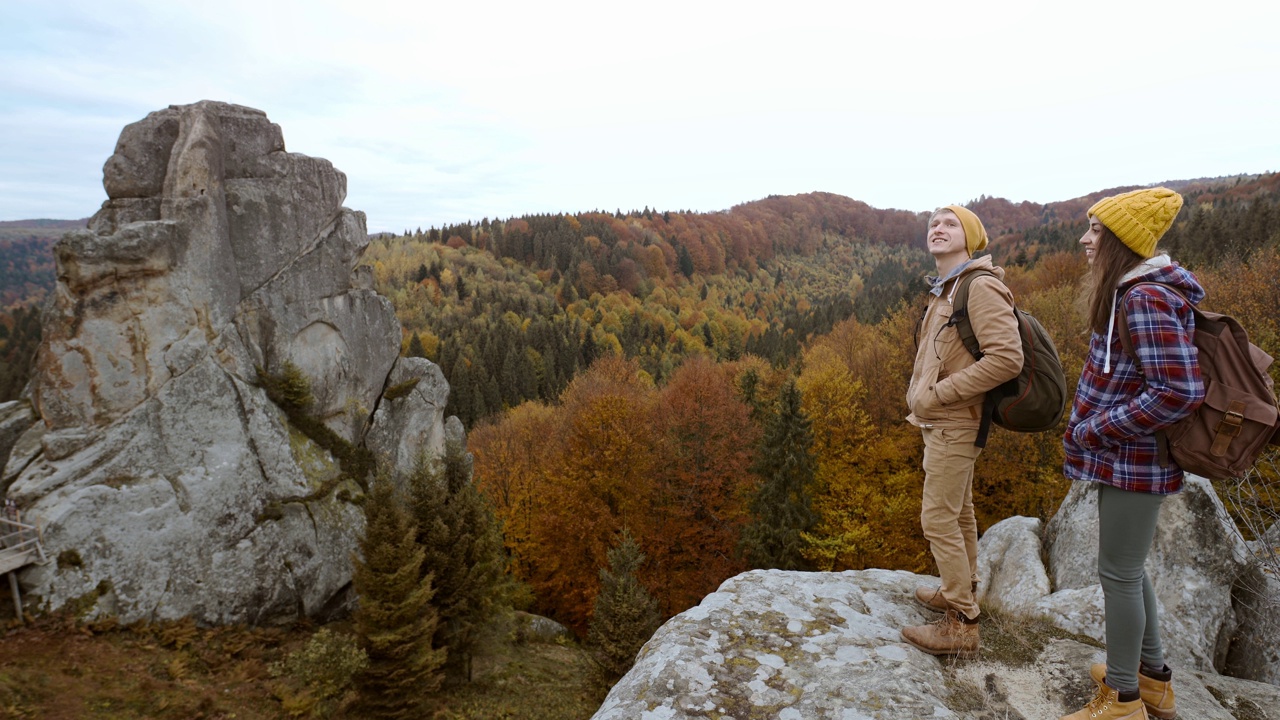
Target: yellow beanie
x=975, y=235
x=1139, y=218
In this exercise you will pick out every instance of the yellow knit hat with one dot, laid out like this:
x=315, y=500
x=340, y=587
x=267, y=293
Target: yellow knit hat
x=1139, y=218
x=975, y=235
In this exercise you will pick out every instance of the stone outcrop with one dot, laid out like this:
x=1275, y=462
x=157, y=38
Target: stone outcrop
x=1196, y=560
x=827, y=645
x=408, y=422
x=166, y=482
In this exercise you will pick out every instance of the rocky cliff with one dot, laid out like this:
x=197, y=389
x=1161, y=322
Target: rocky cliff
x=811, y=646
x=166, y=482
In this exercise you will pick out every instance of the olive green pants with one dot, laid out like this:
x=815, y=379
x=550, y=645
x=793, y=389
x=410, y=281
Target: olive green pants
x=1126, y=527
x=946, y=512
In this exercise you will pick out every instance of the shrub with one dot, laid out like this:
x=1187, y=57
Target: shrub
x=327, y=665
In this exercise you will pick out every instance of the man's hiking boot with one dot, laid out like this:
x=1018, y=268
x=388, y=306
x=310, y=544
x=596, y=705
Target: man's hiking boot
x=951, y=634
x=931, y=597
x=1157, y=692
x=1106, y=705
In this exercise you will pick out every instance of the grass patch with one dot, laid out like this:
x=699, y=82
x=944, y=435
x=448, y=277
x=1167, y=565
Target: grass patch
x=1018, y=641
x=399, y=390
x=533, y=681
x=70, y=558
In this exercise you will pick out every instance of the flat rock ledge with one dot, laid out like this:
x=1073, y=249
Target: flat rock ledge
x=810, y=646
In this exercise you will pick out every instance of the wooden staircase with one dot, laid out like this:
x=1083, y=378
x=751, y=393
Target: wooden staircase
x=19, y=547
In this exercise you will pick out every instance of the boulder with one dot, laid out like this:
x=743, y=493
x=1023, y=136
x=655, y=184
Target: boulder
x=166, y=482
x=1010, y=561
x=1196, y=560
x=1254, y=649
x=409, y=421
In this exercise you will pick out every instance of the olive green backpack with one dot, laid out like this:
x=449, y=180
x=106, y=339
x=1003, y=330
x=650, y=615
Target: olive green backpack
x=1036, y=399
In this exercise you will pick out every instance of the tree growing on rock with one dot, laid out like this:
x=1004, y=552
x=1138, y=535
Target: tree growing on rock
x=395, y=621
x=782, y=509
x=625, y=613
x=463, y=553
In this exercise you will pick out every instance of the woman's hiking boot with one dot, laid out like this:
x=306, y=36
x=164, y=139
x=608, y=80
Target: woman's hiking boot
x=1156, y=689
x=1106, y=705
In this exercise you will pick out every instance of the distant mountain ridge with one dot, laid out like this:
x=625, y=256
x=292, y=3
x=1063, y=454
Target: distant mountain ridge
x=24, y=244
x=44, y=224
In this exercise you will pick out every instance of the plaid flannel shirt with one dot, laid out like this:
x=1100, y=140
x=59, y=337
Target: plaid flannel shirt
x=1110, y=437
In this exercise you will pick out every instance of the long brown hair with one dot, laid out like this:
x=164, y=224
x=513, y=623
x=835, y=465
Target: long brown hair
x=1111, y=260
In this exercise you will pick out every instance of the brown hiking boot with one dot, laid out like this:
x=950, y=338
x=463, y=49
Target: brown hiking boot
x=950, y=634
x=1157, y=695
x=931, y=597
x=1106, y=705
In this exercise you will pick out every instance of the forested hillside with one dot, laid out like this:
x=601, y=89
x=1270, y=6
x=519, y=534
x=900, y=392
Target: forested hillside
x=512, y=310
x=660, y=372
x=625, y=371
x=26, y=278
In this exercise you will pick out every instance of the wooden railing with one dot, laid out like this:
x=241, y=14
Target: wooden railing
x=19, y=547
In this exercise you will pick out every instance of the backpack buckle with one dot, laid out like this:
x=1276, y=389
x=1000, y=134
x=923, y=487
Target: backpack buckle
x=1231, y=422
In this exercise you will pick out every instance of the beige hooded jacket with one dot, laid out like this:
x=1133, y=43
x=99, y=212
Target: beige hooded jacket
x=947, y=384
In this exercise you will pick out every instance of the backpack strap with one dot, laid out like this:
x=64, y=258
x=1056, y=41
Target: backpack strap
x=1126, y=344
x=964, y=328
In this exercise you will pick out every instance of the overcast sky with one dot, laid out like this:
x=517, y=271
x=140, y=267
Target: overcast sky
x=448, y=111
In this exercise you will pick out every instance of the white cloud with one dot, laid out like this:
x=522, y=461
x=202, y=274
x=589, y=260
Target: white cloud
x=440, y=112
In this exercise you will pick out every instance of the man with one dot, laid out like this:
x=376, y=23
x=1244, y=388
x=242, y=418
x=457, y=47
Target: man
x=945, y=398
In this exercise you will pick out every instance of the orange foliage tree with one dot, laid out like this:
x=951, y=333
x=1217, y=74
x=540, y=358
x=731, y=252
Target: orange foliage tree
x=670, y=465
x=701, y=478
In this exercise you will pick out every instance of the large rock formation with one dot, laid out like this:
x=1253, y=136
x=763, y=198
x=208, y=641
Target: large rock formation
x=166, y=482
x=1196, y=559
x=823, y=645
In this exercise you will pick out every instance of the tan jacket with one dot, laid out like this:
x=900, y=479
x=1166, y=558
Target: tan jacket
x=947, y=384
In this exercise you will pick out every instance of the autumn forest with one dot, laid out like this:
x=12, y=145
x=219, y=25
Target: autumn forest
x=661, y=372
x=727, y=387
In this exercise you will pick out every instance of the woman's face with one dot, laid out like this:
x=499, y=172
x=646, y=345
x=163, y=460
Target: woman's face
x=1090, y=238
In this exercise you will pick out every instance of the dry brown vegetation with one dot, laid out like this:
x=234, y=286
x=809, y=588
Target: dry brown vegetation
x=55, y=669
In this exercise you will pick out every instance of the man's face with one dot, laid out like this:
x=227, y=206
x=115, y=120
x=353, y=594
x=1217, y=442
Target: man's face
x=946, y=235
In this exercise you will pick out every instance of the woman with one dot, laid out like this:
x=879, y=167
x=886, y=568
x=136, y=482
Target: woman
x=1111, y=436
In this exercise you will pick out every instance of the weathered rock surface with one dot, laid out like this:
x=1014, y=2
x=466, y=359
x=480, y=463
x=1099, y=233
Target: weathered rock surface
x=774, y=644
x=813, y=646
x=165, y=480
x=410, y=419
x=1011, y=574
x=15, y=417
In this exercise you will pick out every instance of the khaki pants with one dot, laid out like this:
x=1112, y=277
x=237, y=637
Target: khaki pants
x=946, y=513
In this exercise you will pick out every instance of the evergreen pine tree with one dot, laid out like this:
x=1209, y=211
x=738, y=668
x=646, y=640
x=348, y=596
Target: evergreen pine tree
x=462, y=541
x=415, y=347
x=395, y=621
x=684, y=261
x=782, y=507
x=625, y=614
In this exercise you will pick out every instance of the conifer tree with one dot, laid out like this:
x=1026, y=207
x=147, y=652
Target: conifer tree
x=684, y=261
x=782, y=508
x=395, y=621
x=415, y=347
x=462, y=542
x=625, y=614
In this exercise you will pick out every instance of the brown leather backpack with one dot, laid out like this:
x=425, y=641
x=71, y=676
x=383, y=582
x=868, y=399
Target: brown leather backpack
x=1239, y=417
